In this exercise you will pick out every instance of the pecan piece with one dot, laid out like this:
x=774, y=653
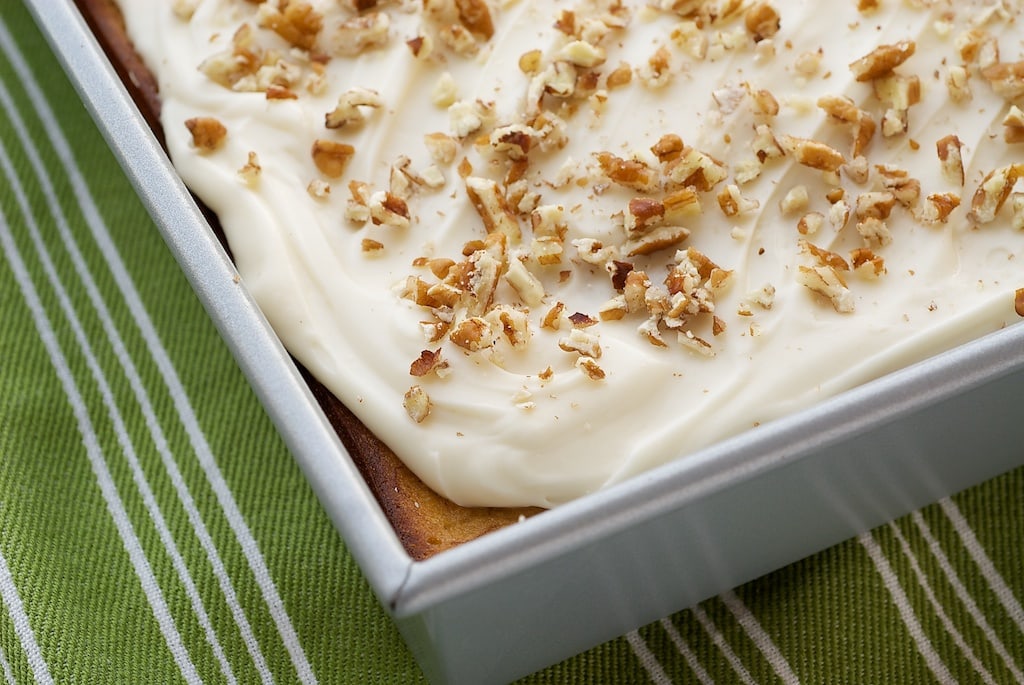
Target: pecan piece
x=331, y=157
x=208, y=133
x=882, y=60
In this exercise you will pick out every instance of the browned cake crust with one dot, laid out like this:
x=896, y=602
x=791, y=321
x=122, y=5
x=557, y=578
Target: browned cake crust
x=425, y=522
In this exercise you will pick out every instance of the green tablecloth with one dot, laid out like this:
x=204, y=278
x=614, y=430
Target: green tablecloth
x=153, y=528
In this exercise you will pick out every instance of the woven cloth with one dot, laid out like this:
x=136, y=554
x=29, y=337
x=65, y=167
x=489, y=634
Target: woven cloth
x=154, y=529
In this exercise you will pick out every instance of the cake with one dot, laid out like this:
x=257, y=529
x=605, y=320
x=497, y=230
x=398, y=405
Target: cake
x=538, y=248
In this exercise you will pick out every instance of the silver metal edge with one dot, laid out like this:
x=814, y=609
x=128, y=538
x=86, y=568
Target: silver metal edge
x=686, y=531
x=257, y=350
x=688, y=480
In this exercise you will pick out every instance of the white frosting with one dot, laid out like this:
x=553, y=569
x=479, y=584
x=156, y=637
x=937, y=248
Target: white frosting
x=498, y=434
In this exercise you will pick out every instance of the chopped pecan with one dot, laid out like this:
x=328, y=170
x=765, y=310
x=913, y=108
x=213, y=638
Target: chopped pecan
x=492, y=207
x=795, y=200
x=361, y=33
x=1013, y=125
x=882, y=60
x=460, y=39
x=348, y=111
x=514, y=324
x=208, y=134
x=553, y=318
x=826, y=281
x=950, y=152
x=250, y=172
x=428, y=362
x=417, y=404
x=695, y=169
x=993, y=192
x=875, y=204
x=810, y=223
x=331, y=157
x=476, y=16
x=825, y=257
x=371, y=246
x=526, y=285
x=937, y=207
x=733, y=203
x=620, y=76
x=661, y=238
x=582, y=54
x=812, y=153
x=630, y=173
x=472, y=334
x=296, y=22
x=845, y=110
x=957, y=83
x=905, y=189
x=590, y=368
x=388, y=209
x=874, y=230
x=867, y=264
x=1006, y=78
x=581, y=342
x=762, y=21
x=668, y=147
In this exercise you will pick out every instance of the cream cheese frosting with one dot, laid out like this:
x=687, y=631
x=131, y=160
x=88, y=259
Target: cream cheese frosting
x=792, y=282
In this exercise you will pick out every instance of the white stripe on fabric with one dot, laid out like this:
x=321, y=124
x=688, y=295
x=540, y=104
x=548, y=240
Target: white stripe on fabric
x=940, y=611
x=91, y=442
x=647, y=659
x=965, y=596
x=204, y=454
x=156, y=431
x=138, y=474
x=688, y=655
x=988, y=569
x=6, y=668
x=760, y=637
x=719, y=640
x=902, y=602
x=22, y=627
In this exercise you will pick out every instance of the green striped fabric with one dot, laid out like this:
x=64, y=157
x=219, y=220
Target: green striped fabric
x=153, y=528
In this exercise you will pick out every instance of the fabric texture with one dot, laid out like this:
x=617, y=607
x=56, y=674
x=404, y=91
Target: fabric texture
x=154, y=529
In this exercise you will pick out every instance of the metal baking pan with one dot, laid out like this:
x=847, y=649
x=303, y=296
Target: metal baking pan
x=521, y=598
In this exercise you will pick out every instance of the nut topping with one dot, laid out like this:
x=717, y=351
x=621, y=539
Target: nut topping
x=882, y=60
x=208, y=134
x=331, y=157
